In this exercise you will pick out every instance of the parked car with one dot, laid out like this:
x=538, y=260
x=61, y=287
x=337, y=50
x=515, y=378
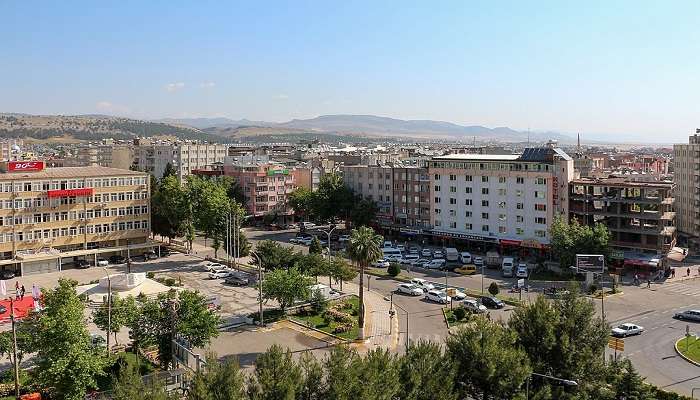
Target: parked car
x=381, y=263
x=492, y=302
x=478, y=261
x=401, y=248
x=212, y=266
x=627, y=329
x=438, y=254
x=413, y=250
x=307, y=225
x=236, y=280
x=409, y=288
x=409, y=258
x=82, y=264
x=437, y=296
x=426, y=253
x=388, y=244
x=688, y=315
x=474, y=306
x=469, y=269
x=150, y=255
x=7, y=274
x=436, y=264
x=555, y=291
x=102, y=262
x=423, y=284
x=117, y=259
x=305, y=241
x=465, y=257
x=219, y=274
x=420, y=263
x=521, y=272
x=458, y=296
x=344, y=238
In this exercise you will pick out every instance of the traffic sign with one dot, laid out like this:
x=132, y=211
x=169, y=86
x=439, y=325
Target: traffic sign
x=452, y=292
x=521, y=283
x=590, y=263
x=616, y=344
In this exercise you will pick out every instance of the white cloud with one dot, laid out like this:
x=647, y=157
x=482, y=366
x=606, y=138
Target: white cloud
x=207, y=85
x=173, y=87
x=280, y=96
x=111, y=108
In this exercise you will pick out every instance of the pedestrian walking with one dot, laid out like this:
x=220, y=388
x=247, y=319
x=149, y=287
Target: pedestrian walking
x=636, y=279
x=16, y=285
x=18, y=292
x=22, y=291
x=648, y=283
x=687, y=272
x=673, y=272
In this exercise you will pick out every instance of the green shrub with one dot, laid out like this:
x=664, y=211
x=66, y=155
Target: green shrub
x=394, y=269
x=170, y=282
x=493, y=288
x=319, y=302
x=459, y=313
x=150, y=275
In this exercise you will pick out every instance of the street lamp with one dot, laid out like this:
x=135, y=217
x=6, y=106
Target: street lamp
x=260, y=281
x=565, y=382
x=328, y=234
x=109, y=306
x=404, y=310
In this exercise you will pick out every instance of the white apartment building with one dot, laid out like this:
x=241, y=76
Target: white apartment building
x=499, y=199
x=374, y=183
x=686, y=175
x=184, y=157
x=10, y=149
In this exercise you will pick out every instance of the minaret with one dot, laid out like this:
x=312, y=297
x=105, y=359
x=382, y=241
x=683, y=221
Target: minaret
x=578, y=142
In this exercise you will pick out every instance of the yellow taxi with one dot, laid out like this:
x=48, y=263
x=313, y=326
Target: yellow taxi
x=468, y=269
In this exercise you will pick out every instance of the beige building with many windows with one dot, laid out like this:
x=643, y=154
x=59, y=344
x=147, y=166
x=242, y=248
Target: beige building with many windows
x=686, y=176
x=50, y=218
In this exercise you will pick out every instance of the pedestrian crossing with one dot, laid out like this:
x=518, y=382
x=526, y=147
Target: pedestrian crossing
x=682, y=288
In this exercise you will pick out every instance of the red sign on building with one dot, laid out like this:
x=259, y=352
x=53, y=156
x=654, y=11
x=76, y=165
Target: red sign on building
x=25, y=166
x=70, y=193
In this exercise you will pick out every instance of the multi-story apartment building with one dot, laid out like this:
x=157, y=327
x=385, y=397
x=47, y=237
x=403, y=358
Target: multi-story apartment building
x=10, y=149
x=373, y=182
x=411, y=199
x=184, y=157
x=113, y=156
x=49, y=217
x=639, y=215
x=308, y=176
x=686, y=175
x=509, y=200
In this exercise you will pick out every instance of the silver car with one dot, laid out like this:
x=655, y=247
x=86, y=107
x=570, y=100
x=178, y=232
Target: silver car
x=688, y=315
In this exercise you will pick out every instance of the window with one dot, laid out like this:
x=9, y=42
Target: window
x=468, y=227
x=501, y=179
x=540, y=207
x=453, y=225
x=438, y=222
x=453, y=200
x=484, y=203
x=453, y=189
x=437, y=188
x=437, y=177
x=519, y=193
x=519, y=231
x=484, y=228
x=502, y=229
x=484, y=179
x=369, y=186
x=539, y=195
x=540, y=234
x=484, y=190
x=438, y=211
x=519, y=206
x=501, y=192
x=519, y=218
x=520, y=180
x=468, y=214
x=453, y=177
x=468, y=178
x=540, y=220
x=453, y=213
x=541, y=181
x=468, y=202
x=467, y=190
x=438, y=200
x=484, y=215
x=501, y=217
x=501, y=204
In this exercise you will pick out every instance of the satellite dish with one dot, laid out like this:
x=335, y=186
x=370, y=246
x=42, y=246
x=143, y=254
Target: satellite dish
x=15, y=148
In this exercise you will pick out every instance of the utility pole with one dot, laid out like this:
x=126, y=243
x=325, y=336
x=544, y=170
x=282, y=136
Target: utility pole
x=109, y=308
x=14, y=346
x=172, y=308
x=260, y=282
x=128, y=258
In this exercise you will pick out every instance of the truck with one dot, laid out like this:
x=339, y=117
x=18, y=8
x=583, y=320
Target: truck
x=325, y=291
x=507, y=267
x=451, y=254
x=493, y=259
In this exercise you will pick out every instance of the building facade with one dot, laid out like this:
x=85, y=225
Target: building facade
x=686, y=175
x=411, y=199
x=639, y=216
x=509, y=200
x=121, y=157
x=184, y=157
x=51, y=217
x=372, y=182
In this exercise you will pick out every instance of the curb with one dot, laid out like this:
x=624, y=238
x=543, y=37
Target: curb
x=675, y=346
x=444, y=317
x=318, y=330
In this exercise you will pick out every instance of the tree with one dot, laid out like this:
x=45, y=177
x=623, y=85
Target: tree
x=169, y=171
x=315, y=246
x=196, y=322
x=311, y=378
x=123, y=310
x=171, y=208
x=563, y=338
x=234, y=191
x=394, y=269
x=25, y=343
x=66, y=360
x=276, y=376
x=379, y=374
x=312, y=264
x=487, y=361
x=342, y=374
x=341, y=271
x=363, y=212
x=211, y=207
x=332, y=199
x=273, y=255
x=569, y=239
x=302, y=201
x=218, y=381
x=426, y=374
x=627, y=383
x=493, y=288
x=364, y=249
x=286, y=286
x=129, y=385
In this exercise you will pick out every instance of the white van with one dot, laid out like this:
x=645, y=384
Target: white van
x=451, y=254
x=507, y=266
x=465, y=257
x=391, y=254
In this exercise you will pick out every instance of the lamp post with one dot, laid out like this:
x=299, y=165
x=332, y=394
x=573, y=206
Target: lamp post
x=109, y=306
x=328, y=235
x=482, y=278
x=565, y=382
x=260, y=281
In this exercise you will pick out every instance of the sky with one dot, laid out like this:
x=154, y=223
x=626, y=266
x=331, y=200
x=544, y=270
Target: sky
x=628, y=70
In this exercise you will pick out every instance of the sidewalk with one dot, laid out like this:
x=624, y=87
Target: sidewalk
x=378, y=324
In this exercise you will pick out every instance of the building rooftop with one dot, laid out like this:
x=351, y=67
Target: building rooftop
x=621, y=182
x=69, y=172
x=530, y=154
x=476, y=157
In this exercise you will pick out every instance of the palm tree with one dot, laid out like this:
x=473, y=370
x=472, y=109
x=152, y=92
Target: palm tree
x=364, y=249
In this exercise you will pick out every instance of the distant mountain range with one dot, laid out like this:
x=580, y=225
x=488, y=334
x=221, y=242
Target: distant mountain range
x=371, y=126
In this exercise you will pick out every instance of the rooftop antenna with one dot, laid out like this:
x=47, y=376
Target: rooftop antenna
x=528, y=136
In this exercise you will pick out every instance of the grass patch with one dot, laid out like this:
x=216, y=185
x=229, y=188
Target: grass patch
x=452, y=319
x=689, y=347
x=270, y=315
x=316, y=320
x=383, y=273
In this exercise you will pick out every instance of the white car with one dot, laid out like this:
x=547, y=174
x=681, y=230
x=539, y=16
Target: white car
x=437, y=296
x=413, y=250
x=401, y=248
x=423, y=284
x=344, y=238
x=436, y=264
x=212, y=267
x=306, y=241
x=409, y=288
x=478, y=261
x=521, y=272
x=465, y=257
x=459, y=295
x=388, y=244
x=101, y=262
x=409, y=258
x=474, y=306
x=438, y=255
x=308, y=225
x=219, y=274
x=627, y=329
x=381, y=263
x=426, y=253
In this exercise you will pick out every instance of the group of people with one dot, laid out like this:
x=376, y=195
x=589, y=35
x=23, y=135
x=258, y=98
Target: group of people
x=19, y=291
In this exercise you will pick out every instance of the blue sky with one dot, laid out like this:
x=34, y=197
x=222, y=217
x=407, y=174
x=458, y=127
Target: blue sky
x=630, y=69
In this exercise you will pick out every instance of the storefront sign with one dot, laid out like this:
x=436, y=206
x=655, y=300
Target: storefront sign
x=510, y=242
x=272, y=172
x=70, y=193
x=617, y=254
x=465, y=236
x=25, y=166
x=411, y=231
x=555, y=190
x=531, y=243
